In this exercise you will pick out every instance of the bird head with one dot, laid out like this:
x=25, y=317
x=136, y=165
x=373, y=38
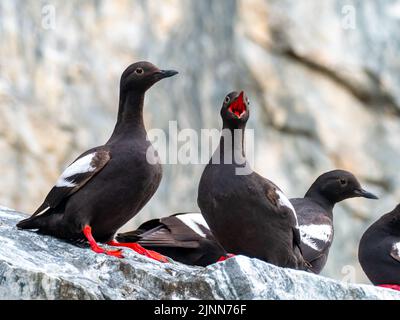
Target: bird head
x=235, y=109
x=338, y=185
x=140, y=76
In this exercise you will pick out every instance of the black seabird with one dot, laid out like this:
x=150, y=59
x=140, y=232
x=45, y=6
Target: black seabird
x=108, y=185
x=184, y=237
x=315, y=213
x=247, y=213
x=379, y=251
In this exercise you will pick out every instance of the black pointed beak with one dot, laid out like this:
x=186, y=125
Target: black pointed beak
x=166, y=74
x=365, y=194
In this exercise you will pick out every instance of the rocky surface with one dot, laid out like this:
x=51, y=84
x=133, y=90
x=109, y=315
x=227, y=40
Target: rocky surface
x=41, y=267
x=323, y=78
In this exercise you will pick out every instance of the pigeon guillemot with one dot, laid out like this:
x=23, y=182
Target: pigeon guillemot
x=379, y=251
x=246, y=213
x=108, y=185
x=315, y=213
x=184, y=237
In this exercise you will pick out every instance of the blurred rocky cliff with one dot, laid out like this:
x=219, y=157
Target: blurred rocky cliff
x=322, y=76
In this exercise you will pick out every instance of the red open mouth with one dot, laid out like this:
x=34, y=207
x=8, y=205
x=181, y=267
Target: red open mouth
x=238, y=107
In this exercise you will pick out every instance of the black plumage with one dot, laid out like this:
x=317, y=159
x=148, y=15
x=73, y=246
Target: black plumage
x=247, y=213
x=173, y=236
x=379, y=250
x=184, y=237
x=315, y=213
x=108, y=185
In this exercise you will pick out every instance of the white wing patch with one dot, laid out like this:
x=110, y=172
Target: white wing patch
x=82, y=165
x=312, y=232
x=396, y=248
x=193, y=220
x=284, y=201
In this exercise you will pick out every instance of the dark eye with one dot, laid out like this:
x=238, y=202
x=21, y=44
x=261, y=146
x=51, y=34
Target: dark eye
x=343, y=182
x=247, y=100
x=227, y=99
x=139, y=71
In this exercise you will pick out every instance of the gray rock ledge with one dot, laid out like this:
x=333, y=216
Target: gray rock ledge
x=40, y=267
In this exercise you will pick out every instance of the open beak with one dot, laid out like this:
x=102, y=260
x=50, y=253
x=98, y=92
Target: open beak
x=238, y=107
x=365, y=194
x=166, y=74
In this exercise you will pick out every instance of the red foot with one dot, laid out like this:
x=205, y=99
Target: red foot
x=139, y=249
x=223, y=258
x=390, y=286
x=87, y=231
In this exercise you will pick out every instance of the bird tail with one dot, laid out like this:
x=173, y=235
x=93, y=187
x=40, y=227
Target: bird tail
x=34, y=222
x=136, y=235
x=132, y=236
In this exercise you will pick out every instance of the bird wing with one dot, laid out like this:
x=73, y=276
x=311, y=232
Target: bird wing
x=278, y=199
x=195, y=222
x=74, y=177
x=177, y=231
x=316, y=230
x=395, y=252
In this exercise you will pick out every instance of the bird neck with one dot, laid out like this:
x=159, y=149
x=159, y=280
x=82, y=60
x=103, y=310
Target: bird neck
x=231, y=145
x=320, y=199
x=130, y=115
